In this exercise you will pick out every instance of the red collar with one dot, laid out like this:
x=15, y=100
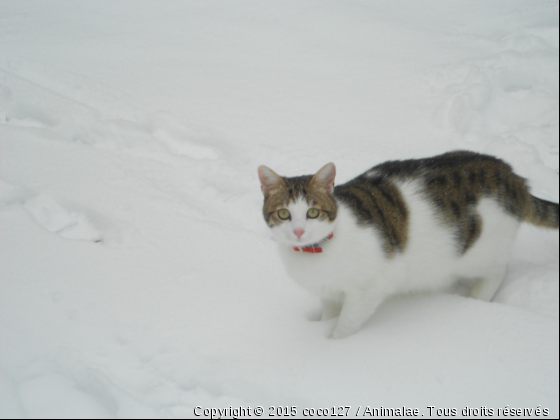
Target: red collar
x=313, y=249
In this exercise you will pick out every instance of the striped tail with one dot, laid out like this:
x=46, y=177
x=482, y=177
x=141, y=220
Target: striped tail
x=542, y=213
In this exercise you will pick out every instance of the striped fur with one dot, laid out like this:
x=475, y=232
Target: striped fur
x=453, y=184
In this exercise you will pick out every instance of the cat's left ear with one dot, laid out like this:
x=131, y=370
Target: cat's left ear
x=325, y=177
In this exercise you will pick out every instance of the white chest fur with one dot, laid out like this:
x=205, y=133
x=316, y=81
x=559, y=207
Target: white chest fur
x=347, y=261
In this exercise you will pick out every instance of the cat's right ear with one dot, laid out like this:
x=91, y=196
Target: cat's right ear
x=325, y=177
x=270, y=180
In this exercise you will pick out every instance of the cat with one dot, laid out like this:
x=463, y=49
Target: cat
x=402, y=226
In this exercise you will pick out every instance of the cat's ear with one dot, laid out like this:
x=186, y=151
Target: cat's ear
x=325, y=177
x=270, y=180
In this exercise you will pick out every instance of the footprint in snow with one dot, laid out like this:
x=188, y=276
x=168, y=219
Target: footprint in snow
x=55, y=218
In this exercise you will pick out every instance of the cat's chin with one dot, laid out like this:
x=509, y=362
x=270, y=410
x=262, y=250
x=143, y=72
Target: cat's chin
x=293, y=243
x=301, y=243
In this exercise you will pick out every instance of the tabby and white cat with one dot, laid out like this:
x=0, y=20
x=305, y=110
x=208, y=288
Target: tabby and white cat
x=402, y=226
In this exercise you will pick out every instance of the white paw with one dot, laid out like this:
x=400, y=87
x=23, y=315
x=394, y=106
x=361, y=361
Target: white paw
x=328, y=316
x=340, y=333
x=314, y=316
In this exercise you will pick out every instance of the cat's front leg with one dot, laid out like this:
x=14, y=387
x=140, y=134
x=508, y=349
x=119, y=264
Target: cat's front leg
x=357, y=307
x=331, y=309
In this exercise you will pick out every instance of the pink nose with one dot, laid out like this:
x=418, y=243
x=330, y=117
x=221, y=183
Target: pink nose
x=299, y=232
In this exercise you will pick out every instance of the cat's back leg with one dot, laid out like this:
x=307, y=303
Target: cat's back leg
x=487, y=286
x=488, y=258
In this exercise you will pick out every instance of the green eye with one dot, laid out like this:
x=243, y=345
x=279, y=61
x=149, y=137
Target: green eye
x=284, y=214
x=313, y=213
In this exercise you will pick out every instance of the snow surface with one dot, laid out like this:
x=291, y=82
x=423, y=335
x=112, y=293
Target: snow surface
x=137, y=276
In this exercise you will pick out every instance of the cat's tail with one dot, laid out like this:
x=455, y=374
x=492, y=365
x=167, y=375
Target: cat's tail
x=542, y=213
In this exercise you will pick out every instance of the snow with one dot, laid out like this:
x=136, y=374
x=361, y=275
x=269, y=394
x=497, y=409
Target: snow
x=137, y=276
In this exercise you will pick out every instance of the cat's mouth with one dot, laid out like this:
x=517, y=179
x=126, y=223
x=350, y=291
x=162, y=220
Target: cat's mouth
x=302, y=240
x=293, y=240
x=315, y=248
x=310, y=242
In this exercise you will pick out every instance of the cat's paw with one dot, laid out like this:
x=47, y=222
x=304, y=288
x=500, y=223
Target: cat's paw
x=315, y=315
x=320, y=315
x=340, y=333
x=327, y=316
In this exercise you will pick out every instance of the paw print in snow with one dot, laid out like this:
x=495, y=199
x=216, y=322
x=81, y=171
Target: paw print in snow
x=55, y=218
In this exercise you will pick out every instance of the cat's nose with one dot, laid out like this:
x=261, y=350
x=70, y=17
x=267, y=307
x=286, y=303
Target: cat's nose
x=299, y=232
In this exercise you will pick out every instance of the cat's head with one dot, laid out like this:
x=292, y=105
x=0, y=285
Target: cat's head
x=300, y=210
